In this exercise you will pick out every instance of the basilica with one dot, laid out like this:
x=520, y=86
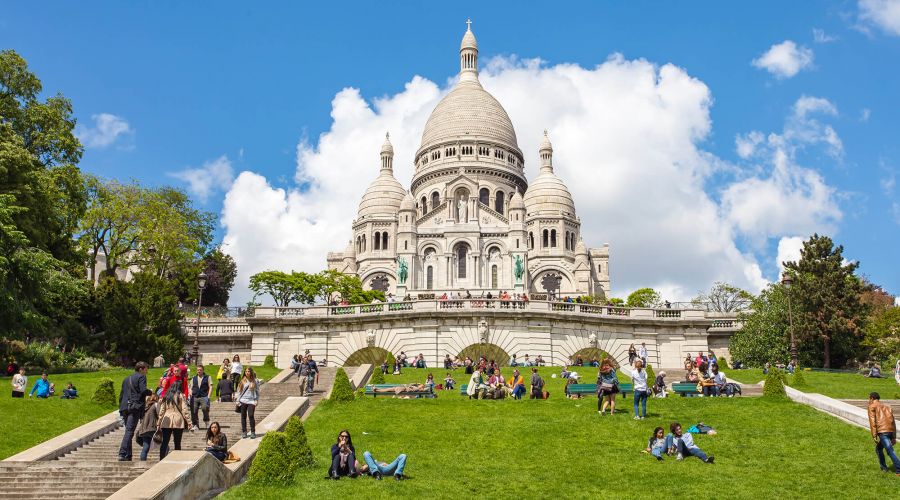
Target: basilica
x=470, y=221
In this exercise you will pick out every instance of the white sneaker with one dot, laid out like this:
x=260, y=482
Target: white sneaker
x=679, y=457
x=637, y=417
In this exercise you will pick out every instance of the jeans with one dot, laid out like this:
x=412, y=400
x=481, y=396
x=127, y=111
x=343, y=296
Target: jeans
x=166, y=434
x=518, y=391
x=349, y=468
x=310, y=380
x=684, y=450
x=394, y=468
x=658, y=452
x=710, y=390
x=304, y=382
x=640, y=397
x=248, y=411
x=145, y=448
x=221, y=455
x=884, y=443
x=196, y=405
x=131, y=421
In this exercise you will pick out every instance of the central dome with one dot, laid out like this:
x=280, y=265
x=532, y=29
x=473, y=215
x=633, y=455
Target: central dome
x=469, y=112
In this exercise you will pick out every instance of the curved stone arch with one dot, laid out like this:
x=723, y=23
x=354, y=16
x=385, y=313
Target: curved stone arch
x=490, y=242
x=488, y=350
x=421, y=246
x=371, y=272
x=589, y=353
x=472, y=242
x=367, y=355
x=535, y=280
x=614, y=344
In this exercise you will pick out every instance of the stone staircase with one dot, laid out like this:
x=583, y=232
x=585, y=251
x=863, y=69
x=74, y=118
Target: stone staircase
x=864, y=404
x=93, y=471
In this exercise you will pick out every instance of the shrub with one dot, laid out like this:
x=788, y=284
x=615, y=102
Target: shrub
x=377, y=376
x=106, y=393
x=651, y=376
x=91, y=364
x=342, y=391
x=270, y=361
x=774, y=385
x=273, y=459
x=798, y=380
x=723, y=363
x=301, y=455
x=391, y=360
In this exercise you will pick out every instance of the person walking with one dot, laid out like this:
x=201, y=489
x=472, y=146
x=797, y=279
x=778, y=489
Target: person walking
x=236, y=370
x=607, y=387
x=311, y=374
x=248, y=398
x=641, y=392
x=303, y=375
x=131, y=406
x=19, y=383
x=632, y=354
x=537, y=385
x=200, y=392
x=884, y=431
x=223, y=374
x=147, y=427
x=642, y=353
x=173, y=418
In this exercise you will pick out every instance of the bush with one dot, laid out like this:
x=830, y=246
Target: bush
x=273, y=459
x=651, y=376
x=774, y=385
x=391, y=360
x=301, y=455
x=269, y=362
x=723, y=363
x=105, y=394
x=91, y=364
x=798, y=380
x=342, y=391
x=377, y=376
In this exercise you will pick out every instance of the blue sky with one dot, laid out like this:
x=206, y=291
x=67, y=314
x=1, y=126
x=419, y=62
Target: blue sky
x=198, y=81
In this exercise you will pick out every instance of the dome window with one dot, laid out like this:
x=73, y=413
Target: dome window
x=483, y=196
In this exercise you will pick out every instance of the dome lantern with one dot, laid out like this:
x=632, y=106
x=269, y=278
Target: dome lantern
x=468, y=54
x=387, y=153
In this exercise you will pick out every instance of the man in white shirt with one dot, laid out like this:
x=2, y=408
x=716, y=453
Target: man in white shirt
x=642, y=353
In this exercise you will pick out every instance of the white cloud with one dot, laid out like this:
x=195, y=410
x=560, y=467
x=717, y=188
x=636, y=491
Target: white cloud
x=788, y=250
x=885, y=14
x=819, y=36
x=106, y=130
x=786, y=59
x=214, y=176
x=864, y=114
x=626, y=137
x=745, y=145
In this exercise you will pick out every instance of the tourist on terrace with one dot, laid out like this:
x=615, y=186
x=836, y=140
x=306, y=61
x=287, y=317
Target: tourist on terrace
x=216, y=442
x=449, y=383
x=70, y=392
x=656, y=446
x=429, y=382
x=236, y=369
x=41, y=387
x=248, y=398
x=343, y=457
x=201, y=389
x=303, y=374
x=607, y=387
x=537, y=385
x=147, y=428
x=420, y=361
x=642, y=353
x=639, y=378
x=517, y=383
x=884, y=431
x=682, y=443
x=527, y=361
x=378, y=469
x=131, y=405
x=448, y=363
x=223, y=374
x=632, y=353
x=19, y=383
x=513, y=361
x=173, y=418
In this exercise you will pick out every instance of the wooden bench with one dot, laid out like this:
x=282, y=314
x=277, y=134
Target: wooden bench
x=624, y=388
x=387, y=390
x=685, y=389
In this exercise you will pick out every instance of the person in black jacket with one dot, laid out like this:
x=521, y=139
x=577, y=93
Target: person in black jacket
x=200, y=391
x=131, y=406
x=343, y=457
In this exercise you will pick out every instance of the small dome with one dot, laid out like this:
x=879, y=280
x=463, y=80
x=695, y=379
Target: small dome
x=545, y=143
x=548, y=195
x=383, y=197
x=387, y=147
x=468, y=41
x=516, y=202
x=408, y=203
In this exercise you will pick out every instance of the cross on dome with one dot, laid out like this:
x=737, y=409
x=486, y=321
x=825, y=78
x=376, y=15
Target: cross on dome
x=468, y=24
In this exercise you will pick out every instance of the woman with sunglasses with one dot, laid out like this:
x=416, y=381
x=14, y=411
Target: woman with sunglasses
x=343, y=457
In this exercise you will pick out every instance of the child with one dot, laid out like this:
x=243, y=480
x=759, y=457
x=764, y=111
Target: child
x=70, y=392
x=656, y=446
x=449, y=382
x=429, y=383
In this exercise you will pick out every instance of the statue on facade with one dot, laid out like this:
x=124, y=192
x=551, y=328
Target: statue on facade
x=483, y=331
x=462, y=210
x=402, y=269
x=592, y=340
x=519, y=268
x=370, y=338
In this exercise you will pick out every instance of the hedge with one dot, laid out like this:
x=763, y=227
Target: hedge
x=273, y=459
x=774, y=385
x=342, y=391
x=269, y=361
x=106, y=393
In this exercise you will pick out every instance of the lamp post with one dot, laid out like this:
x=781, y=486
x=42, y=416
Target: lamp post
x=201, y=284
x=787, y=281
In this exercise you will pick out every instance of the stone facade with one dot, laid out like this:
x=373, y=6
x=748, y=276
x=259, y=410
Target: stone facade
x=470, y=221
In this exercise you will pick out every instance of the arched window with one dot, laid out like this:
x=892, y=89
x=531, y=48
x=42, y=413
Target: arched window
x=494, y=276
x=364, y=243
x=384, y=241
x=530, y=240
x=566, y=241
x=483, y=196
x=435, y=200
x=498, y=203
x=377, y=240
x=545, y=241
x=462, y=253
x=429, y=278
x=424, y=205
x=572, y=245
x=553, y=238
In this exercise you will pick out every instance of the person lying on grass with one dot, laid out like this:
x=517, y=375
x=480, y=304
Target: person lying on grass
x=378, y=469
x=401, y=389
x=682, y=445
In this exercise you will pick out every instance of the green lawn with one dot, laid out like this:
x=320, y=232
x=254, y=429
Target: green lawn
x=835, y=385
x=555, y=386
x=462, y=448
x=27, y=422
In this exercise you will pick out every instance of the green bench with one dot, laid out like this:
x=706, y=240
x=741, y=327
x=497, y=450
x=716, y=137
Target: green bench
x=386, y=390
x=624, y=389
x=685, y=389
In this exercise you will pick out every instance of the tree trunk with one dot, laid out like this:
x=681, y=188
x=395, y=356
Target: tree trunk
x=827, y=353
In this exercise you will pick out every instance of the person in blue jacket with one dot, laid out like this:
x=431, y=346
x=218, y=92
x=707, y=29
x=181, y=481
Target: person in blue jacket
x=42, y=387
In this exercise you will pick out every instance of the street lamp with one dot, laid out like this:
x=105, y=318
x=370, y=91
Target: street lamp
x=201, y=284
x=787, y=281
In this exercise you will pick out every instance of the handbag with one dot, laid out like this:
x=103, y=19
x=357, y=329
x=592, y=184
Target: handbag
x=157, y=436
x=606, y=387
x=237, y=407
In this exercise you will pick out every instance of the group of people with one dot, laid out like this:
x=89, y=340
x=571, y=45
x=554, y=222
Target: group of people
x=345, y=464
x=677, y=442
x=42, y=388
x=710, y=381
x=487, y=382
x=307, y=370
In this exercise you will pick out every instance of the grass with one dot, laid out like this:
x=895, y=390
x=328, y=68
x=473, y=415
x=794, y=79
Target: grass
x=29, y=421
x=553, y=385
x=461, y=448
x=835, y=385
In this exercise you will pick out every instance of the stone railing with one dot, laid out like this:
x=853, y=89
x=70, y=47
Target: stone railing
x=289, y=312
x=216, y=328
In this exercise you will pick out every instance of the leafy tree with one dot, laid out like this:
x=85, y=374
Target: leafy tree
x=643, y=297
x=883, y=334
x=616, y=301
x=221, y=271
x=723, y=297
x=764, y=335
x=829, y=315
x=284, y=288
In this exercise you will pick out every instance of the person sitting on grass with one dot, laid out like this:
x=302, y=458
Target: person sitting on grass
x=420, y=361
x=607, y=387
x=656, y=446
x=659, y=385
x=343, y=457
x=378, y=469
x=449, y=383
x=682, y=445
x=476, y=385
x=41, y=387
x=874, y=372
x=216, y=442
x=429, y=382
x=517, y=383
x=70, y=392
x=537, y=385
x=884, y=431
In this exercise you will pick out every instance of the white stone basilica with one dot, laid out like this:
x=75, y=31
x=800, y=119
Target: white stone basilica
x=465, y=224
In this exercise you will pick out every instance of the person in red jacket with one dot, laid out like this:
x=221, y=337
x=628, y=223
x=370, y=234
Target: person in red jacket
x=175, y=375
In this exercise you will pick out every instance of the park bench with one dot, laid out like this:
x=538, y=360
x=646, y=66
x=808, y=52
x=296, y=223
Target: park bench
x=386, y=390
x=624, y=389
x=685, y=389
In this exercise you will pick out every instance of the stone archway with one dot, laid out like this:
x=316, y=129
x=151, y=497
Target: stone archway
x=589, y=353
x=489, y=351
x=367, y=356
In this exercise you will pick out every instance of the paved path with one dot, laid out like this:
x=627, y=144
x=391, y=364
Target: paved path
x=93, y=471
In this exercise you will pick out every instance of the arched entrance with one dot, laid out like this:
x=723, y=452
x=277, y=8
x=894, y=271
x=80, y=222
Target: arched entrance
x=489, y=351
x=367, y=356
x=589, y=353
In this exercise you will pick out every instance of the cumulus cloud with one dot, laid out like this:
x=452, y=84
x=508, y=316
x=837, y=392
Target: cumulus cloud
x=107, y=129
x=785, y=59
x=788, y=250
x=884, y=14
x=819, y=36
x=745, y=144
x=212, y=177
x=626, y=137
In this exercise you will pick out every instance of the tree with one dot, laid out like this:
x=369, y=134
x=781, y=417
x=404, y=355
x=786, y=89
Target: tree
x=829, y=315
x=764, y=335
x=643, y=297
x=220, y=270
x=883, y=334
x=723, y=297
